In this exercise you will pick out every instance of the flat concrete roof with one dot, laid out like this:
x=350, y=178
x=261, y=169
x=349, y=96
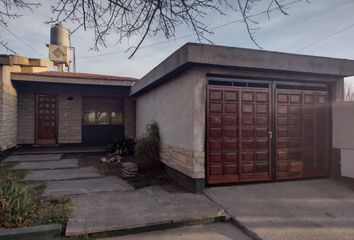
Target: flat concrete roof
x=74, y=78
x=213, y=55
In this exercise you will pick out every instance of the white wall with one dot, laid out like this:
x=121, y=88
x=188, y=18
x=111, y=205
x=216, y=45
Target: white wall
x=178, y=108
x=343, y=136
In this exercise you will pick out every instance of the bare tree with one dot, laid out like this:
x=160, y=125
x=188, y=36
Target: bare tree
x=141, y=18
x=348, y=91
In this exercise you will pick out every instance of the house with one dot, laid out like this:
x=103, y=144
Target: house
x=226, y=115
x=40, y=107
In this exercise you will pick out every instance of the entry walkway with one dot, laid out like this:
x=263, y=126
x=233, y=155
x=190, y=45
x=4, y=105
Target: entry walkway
x=108, y=203
x=309, y=209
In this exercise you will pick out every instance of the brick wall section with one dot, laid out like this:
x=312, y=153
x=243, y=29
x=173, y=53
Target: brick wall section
x=26, y=118
x=70, y=119
x=8, y=108
x=129, y=117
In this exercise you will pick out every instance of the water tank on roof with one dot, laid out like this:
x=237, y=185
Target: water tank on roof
x=59, y=35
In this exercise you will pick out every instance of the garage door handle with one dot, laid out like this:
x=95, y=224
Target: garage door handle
x=270, y=134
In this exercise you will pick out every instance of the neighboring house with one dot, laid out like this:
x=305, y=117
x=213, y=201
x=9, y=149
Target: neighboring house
x=226, y=115
x=49, y=108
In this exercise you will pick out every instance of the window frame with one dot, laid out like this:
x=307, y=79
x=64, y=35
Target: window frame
x=108, y=110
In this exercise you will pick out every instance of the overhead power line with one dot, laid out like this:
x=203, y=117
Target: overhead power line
x=325, y=38
x=191, y=34
x=23, y=42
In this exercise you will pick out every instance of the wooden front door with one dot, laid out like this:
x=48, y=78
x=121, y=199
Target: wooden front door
x=46, y=119
x=238, y=134
x=302, y=146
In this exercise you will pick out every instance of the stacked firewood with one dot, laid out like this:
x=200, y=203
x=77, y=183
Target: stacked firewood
x=128, y=170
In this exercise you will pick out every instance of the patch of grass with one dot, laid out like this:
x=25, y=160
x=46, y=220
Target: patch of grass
x=21, y=203
x=56, y=210
x=16, y=203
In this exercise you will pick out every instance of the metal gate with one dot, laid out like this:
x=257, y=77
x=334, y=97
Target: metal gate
x=240, y=127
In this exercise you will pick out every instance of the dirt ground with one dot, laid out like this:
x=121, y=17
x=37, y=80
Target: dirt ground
x=145, y=178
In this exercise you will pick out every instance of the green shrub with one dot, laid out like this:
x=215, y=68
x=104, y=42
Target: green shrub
x=15, y=201
x=147, y=149
x=124, y=146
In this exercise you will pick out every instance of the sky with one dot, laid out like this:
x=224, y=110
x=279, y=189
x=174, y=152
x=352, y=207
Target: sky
x=321, y=28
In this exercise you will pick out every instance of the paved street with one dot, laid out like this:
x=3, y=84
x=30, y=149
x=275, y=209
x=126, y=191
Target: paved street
x=213, y=231
x=298, y=210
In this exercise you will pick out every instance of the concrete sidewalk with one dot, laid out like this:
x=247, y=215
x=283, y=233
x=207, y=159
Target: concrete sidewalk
x=147, y=207
x=308, y=209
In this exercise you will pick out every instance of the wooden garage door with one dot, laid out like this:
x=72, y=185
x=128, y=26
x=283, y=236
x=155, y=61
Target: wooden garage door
x=302, y=146
x=238, y=126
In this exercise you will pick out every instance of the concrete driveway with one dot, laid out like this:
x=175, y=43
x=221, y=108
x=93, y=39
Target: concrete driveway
x=307, y=210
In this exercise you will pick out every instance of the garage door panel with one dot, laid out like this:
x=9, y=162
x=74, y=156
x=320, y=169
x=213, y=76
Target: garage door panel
x=231, y=108
x=215, y=120
x=215, y=107
x=231, y=96
x=261, y=121
x=245, y=123
x=303, y=136
x=239, y=127
x=231, y=132
x=247, y=156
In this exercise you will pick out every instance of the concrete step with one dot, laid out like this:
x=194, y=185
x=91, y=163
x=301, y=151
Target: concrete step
x=59, y=164
x=62, y=174
x=33, y=158
x=86, y=186
x=137, y=210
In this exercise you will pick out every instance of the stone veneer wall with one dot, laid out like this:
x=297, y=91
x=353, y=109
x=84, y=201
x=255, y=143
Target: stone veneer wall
x=188, y=162
x=26, y=117
x=8, y=108
x=69, y=118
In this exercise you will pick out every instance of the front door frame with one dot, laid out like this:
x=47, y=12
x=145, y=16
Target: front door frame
x=273, y=84
x=37, y=140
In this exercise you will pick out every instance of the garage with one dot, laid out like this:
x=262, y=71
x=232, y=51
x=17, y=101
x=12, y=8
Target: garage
x=266, y=130
x=232, y=115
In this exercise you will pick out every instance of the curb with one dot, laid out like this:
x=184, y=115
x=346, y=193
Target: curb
x=43, y=232
x=157, y=227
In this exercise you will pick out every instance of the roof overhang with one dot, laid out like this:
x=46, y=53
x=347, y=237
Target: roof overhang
x=203, y=54
x=24, y=77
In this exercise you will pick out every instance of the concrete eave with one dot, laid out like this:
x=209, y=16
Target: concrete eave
x=23, y=77
x=204, y=54
x=13, y=60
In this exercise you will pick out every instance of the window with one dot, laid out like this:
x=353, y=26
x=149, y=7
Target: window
x=102, y=111
x=116, y=117
x=89, y=117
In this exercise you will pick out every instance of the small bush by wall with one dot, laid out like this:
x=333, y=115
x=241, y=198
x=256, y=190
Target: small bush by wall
x=147, y=148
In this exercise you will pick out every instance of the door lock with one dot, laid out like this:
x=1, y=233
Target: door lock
x=270, y=134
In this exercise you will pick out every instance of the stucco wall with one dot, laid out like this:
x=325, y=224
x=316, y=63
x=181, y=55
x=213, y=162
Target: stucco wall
x=179, y=109
x=8, y=108
x=343, y=136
